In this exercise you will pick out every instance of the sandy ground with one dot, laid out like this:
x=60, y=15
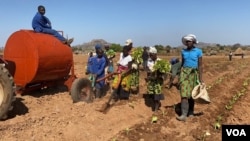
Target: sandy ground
x=51, y=115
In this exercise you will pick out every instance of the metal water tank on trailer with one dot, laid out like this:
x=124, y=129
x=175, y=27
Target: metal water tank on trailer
x=35, y=58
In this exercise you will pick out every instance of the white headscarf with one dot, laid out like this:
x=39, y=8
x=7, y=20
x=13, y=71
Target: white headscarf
x=189, y=37
x=152, y=50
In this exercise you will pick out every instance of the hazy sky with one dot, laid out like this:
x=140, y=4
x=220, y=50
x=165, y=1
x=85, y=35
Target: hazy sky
x=146, y=22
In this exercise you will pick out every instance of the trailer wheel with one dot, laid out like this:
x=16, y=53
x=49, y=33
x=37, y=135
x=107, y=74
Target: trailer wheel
x=7, y=89
x=81, y=90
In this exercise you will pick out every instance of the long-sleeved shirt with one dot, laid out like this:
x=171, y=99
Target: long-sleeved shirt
x=98, y=68
x=40, y=21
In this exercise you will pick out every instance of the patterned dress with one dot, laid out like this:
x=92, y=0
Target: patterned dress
x=155, y=81
x=121, y=81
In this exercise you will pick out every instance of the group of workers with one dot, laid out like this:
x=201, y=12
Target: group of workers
x=187, y=72
x=189, y=69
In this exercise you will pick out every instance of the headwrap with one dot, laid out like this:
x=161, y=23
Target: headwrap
x=98, y=46
x=152, y=50
x=189, y=37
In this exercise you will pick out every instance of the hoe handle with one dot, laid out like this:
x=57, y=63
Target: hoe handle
x=107, y=76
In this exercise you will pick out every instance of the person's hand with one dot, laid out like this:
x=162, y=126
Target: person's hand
x=134, y=66
x=94, y=75
x=202, y=82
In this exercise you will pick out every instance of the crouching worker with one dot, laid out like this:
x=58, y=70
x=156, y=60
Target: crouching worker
x=121, y=83
x=154, y=79
x=97, y=70
x=175, y=73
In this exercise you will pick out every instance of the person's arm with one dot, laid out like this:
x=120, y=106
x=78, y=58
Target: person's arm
x=125, y=73
x=200, y=69
x=45, y=22
x=182, y=60
x=174, y=69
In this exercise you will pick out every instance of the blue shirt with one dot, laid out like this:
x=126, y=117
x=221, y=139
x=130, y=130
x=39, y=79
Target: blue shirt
x=190, y=57
x=98, y=68
x=40, y=21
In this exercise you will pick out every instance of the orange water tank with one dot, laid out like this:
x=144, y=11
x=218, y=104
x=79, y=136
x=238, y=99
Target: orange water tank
x=36, y=57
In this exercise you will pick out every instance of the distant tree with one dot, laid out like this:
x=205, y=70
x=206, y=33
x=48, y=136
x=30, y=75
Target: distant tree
x=74, y=49
x=159, y=48
x=218, y=45
x=221, y=47
x=237, y=45
x=116, y=47
x=168, y=49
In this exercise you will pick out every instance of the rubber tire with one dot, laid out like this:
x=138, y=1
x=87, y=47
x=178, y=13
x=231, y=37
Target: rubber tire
x=76, y=88
x=7, y=90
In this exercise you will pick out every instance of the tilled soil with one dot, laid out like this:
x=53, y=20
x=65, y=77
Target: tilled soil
x=51, y=115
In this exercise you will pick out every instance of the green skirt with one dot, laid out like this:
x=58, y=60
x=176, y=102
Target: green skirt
x=188, y=80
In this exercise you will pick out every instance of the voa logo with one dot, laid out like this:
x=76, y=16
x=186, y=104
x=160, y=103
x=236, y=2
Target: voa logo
x=236, y=132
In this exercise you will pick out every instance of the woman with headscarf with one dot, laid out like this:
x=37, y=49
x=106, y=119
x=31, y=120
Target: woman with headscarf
x=190, y=76
x=154, y=79
x=121, y=83
x=175, y=72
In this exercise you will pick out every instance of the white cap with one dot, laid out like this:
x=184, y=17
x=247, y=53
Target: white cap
x=129, y=41
x=152, y=50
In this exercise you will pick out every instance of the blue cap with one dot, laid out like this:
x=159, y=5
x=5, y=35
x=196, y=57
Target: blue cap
x=98, y=46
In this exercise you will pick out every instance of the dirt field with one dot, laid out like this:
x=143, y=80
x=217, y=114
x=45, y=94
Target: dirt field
x=50, y=114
